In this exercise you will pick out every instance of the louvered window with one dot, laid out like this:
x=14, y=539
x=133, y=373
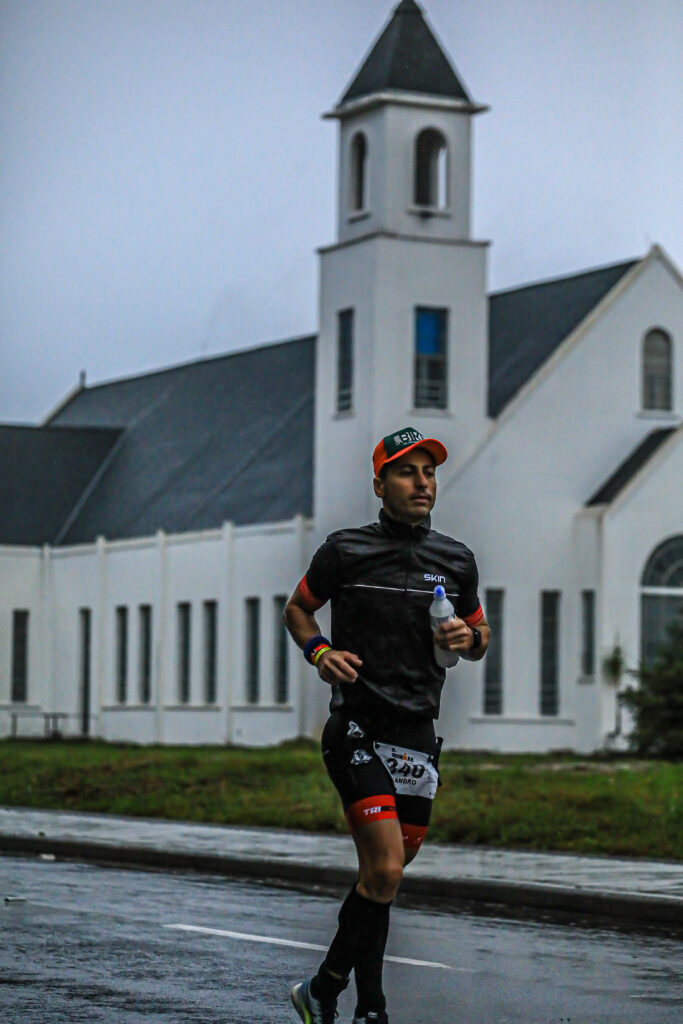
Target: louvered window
x=345, y=360
x=493, y=662
x=550, y=652
x=19, y=656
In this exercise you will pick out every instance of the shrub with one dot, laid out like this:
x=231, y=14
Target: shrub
x=657, y=702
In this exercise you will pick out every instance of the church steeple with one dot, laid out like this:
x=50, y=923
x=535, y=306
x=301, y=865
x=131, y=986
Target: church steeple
x=403, y=288
x=405, y=137
x=407, y=58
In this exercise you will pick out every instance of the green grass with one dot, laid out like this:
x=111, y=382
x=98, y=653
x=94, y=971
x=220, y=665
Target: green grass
x=617, y=806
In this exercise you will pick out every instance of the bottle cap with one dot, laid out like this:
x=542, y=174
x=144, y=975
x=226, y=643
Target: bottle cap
x=439, y=591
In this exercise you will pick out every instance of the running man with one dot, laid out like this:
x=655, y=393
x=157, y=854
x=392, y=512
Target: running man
x=379, y=744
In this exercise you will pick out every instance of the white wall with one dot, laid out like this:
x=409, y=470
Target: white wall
x=226, y=566
x=21, y=572
x=268, y=561
x=515, y=503
x=76, y=581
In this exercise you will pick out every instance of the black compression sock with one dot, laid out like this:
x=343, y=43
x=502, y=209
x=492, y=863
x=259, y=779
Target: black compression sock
x=358, y=944
x=327, y=987
x=360, y=941
x=339, y=959
x=368, y=925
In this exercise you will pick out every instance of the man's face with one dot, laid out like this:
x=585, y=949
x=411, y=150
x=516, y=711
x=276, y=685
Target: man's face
x=408, y=490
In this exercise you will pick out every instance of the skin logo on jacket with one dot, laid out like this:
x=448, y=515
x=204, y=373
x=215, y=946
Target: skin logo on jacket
x=431, y=577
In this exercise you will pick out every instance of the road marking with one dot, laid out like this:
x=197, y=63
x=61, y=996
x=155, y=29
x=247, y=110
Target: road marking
x=652, y=997
x=270, y=940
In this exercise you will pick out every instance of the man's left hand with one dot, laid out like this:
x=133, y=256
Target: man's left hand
x=454, y=635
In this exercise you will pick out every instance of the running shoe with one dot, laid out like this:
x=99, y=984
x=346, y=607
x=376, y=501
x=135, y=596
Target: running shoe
x=309, y=1009
x=374, y=1017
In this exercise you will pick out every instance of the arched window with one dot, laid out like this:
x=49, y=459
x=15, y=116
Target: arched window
x=661, y=595
x=359, y=172
x=431, y=169
x=657, y=370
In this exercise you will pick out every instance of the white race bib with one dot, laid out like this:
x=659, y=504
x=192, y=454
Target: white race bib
x=411, y=770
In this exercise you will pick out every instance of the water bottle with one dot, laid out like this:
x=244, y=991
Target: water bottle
x=441, y=610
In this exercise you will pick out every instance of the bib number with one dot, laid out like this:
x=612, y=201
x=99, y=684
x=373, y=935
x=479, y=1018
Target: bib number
x=411, y=771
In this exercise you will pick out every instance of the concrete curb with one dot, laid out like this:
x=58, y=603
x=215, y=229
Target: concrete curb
x=631, y=907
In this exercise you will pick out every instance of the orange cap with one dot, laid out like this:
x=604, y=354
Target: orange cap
x=394, y=445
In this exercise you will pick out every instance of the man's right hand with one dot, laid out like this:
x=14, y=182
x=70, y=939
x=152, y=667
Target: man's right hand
x=338, y=666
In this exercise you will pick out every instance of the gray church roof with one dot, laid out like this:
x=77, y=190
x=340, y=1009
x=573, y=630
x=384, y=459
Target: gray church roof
x=527, y=324
x=45, y=472
x=231, y=438
x=630, y=466
x=406, y=57
x=219, y=439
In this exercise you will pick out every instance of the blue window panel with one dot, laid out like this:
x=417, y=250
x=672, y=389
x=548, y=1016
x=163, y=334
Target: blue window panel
x=430, y=332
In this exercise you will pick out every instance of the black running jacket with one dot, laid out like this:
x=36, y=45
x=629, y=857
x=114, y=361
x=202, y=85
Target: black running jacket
x=380, y=581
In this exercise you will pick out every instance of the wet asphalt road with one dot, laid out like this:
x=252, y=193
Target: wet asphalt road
x=100, y=944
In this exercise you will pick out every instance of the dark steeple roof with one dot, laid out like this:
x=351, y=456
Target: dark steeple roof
x=527, y=324
x=407, y=58
x=630, y=466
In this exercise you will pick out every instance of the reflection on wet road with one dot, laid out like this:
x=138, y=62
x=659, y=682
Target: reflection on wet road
x=83, y=943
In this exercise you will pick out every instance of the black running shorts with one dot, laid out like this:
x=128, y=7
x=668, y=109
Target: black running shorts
x=383, y=768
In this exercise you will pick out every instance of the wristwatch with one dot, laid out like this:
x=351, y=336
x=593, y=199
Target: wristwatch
x=476, y=639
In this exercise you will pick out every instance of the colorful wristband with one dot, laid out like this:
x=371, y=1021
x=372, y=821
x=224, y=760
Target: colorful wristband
x=317, y=654
x=316, y=645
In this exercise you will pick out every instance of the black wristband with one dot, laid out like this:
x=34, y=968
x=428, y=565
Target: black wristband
x=313, y=643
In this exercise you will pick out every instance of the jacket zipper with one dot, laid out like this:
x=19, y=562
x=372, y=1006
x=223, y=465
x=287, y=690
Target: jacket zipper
x=408, y=562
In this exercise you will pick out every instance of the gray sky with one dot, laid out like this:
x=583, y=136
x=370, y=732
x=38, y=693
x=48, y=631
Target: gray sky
x=165, y=176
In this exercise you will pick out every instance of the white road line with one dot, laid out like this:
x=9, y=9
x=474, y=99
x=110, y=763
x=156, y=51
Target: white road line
x=270, y=940
x=651, y=997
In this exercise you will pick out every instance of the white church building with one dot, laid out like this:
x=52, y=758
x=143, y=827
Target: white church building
x=152, y=527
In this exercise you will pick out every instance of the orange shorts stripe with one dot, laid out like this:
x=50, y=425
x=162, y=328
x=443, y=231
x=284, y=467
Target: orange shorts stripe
x=309, y=597
x=372, y=808
x=413, y=835
x=475, y=618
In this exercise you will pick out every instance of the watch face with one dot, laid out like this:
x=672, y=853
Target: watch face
x=476, y=638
